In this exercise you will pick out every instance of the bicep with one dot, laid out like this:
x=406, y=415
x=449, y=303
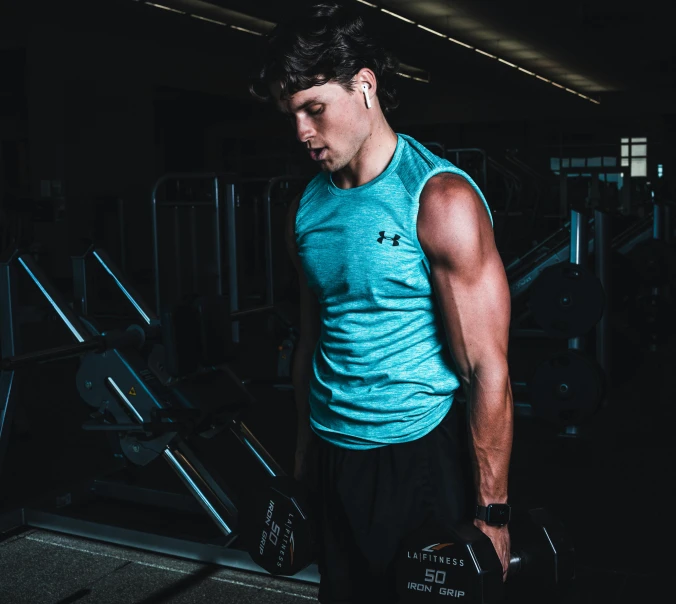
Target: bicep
x=476, y=312
x=467, y=273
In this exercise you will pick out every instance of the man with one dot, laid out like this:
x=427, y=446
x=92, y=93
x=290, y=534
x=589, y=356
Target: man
x=404, y=299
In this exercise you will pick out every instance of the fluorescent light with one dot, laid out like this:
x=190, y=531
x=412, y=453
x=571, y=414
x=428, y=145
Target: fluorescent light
x=411, y=77
x=461, y=43
x=248, y=31
x=436, y=33
x=173, y=10
x=402, y=74
x=209, y=20
x=397, y=16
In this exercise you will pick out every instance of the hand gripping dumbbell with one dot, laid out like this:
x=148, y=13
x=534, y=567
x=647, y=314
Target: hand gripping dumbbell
x=437, y=563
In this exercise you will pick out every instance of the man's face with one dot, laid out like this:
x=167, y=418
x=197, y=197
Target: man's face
x=329, y=121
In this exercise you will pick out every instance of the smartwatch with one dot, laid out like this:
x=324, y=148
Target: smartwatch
x=494, y=514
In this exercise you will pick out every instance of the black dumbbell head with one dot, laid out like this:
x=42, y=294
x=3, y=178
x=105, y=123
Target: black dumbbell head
x=539, y=538
x=275, y=526
x=436, y=563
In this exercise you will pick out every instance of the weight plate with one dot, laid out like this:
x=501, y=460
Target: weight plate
x=568, y=387
x=566, y=300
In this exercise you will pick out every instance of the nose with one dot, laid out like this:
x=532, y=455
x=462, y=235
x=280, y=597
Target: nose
x=304, y=129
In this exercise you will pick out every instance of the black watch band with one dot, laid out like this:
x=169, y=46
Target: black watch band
x=494, y=514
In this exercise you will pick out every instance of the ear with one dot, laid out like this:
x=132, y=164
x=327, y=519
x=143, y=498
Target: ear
x=366, y=77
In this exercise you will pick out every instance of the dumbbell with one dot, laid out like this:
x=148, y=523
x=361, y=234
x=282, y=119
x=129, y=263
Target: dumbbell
x=437, y=562
x=275, y=526
x=434, y=563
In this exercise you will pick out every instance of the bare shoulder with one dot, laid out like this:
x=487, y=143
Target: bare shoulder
x=452, y=217
x=451, y=196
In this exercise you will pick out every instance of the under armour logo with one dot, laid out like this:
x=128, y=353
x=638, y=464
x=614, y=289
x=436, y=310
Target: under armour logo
x=394, y=240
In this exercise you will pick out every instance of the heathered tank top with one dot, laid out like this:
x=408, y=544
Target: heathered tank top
x=382, y=369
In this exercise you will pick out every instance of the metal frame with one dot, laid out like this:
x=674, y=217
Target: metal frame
x=81, y=289
x=121, y=368
x=219, y=182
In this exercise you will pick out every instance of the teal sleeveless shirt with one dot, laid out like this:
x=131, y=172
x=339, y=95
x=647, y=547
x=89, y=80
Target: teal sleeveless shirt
x=382, y=369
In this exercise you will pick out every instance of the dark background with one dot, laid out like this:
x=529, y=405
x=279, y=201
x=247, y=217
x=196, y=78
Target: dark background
x=98, y=99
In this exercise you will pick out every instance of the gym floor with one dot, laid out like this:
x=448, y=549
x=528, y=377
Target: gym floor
x=610, y=487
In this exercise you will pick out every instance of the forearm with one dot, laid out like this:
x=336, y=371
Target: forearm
x=490, y=424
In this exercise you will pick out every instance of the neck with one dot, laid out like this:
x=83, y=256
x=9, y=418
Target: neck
x=370, y=161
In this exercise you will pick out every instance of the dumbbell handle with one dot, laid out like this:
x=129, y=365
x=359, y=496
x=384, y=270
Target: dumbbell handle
x=514, y=565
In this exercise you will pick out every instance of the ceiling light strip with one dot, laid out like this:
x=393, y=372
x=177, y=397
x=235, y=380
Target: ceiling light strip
x=412, y=77
x=209, y=20
x=483, y=52
x=247, y=31
x=389, y=12
x=405, y=75
x=460, y=43
x=201, y=18
x=173, y=10
x=436, y=33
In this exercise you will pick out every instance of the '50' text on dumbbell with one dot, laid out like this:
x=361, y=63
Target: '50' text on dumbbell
x=273, y=535
x=435, y=576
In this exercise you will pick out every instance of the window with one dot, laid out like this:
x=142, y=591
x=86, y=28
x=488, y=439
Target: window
x=556, y=163
x=634, y=154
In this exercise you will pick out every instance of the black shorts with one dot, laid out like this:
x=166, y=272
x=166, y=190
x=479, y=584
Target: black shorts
x=364, y=502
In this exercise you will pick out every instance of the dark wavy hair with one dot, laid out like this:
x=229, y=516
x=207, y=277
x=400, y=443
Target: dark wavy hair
x=326, y=43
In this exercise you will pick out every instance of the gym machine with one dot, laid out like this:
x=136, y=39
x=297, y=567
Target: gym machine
x=654, y=263
x=567, y=300
x=125, y=375
x=193, y=190
x=185, y=199
x=524, y=270
x=274, y=197
x=553, y=286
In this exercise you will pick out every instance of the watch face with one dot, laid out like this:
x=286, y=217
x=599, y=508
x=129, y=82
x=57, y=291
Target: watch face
x=498, y=513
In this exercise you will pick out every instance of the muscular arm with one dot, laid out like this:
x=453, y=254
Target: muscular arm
x=307, y=341
x=455, y=233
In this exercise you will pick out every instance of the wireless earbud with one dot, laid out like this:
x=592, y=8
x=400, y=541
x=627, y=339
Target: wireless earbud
x=365, y=88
